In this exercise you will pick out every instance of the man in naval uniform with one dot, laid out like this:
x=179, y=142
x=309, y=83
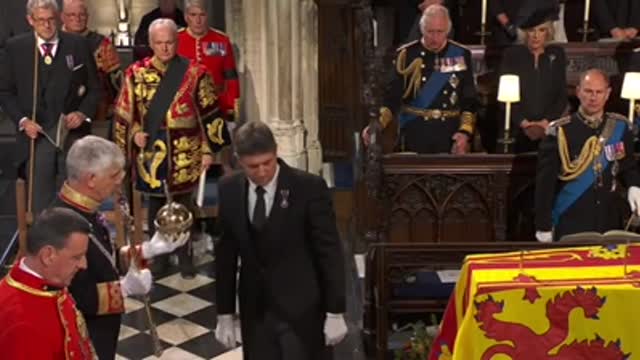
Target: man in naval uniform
x=580, y=163
x=432, y=94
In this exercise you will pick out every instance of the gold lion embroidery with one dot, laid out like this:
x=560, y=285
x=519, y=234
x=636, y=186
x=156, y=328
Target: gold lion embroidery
x=156, y=157
x=206, y=92
x=214, y=131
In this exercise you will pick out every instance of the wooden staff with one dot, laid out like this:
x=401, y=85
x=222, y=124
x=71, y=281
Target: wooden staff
x=25, y=216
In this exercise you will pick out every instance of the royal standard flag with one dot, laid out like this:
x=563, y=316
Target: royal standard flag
x=514, y=306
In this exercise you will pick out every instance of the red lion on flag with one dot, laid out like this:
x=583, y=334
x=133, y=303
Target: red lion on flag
x=524, y=343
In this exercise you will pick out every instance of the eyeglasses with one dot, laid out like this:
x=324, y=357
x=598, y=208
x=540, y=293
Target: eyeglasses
x=42, y=21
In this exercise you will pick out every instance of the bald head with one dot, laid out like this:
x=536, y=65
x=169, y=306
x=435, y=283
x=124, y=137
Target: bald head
x=593, y=92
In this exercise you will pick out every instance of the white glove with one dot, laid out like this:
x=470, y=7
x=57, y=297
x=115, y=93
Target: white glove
x=163, y=244
x=335, y=329
x=136, y=282
x=544, y=236
x=633, y=196
x=226, y=331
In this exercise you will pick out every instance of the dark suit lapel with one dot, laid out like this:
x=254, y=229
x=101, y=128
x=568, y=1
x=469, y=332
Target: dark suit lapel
x=281, y=202
x=242, y=218
x=60, y=74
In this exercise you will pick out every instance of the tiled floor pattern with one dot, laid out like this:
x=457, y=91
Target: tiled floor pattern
x=184, y=312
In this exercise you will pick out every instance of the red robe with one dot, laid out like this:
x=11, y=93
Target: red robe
x=215, y=51
x=38, y=323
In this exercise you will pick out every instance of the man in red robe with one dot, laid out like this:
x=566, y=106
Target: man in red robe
x=39, y=317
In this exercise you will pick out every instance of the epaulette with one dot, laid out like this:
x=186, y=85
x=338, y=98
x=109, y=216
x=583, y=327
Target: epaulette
x=404, y=46
x=218, y=31
x=617, y=116
x=552, y=129
x=458, y=44
x=183, y=29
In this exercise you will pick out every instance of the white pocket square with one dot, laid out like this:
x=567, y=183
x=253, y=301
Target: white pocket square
x=78, y=67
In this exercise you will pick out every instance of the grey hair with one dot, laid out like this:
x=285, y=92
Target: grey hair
x=157, y=23
x=254, y=138
x=44, y=4
x=93, y=155
x=53, y=227
x=523, y=34
x=197, y=3
x=433, y=11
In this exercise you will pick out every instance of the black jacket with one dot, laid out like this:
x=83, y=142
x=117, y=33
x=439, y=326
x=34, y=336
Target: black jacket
x=69, y=84
x=294, y=267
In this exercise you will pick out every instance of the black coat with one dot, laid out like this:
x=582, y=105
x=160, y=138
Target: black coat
x=598, y=208
x=295, y=268
x=609, y=14
x=543, y=90
x=69, y=84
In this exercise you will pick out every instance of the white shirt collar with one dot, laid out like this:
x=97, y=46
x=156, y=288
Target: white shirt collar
x=53, y=41
x=28, y=270
x=271, y=187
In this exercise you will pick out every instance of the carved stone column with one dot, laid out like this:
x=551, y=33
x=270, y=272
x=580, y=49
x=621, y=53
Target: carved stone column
x=277, y=43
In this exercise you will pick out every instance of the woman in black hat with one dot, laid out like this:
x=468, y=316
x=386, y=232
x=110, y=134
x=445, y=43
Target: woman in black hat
x=543, y=83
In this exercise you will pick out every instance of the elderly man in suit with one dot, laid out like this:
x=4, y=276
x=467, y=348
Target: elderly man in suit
x=48, y=85
x=280, y=222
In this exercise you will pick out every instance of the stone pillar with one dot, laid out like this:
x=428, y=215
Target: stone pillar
x=277, y=58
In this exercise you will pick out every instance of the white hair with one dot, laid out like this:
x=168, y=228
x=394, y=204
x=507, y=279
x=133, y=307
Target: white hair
x=433, y=11
x=66, y=3
x=93, y=155
x=197, y=3
x=44, y=4
x=162, y=22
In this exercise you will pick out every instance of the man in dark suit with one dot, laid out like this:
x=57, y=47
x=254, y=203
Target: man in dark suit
x=58, y=68
x=280, y=222
x=14, y=22
x=619, y=19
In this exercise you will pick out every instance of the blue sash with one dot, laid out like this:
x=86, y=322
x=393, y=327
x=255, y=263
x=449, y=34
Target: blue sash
x=431, y=89
x=574, y=189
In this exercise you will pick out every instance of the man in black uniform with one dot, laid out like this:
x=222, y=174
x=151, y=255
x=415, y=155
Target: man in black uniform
x=579, y=164
x=432, y=94
x=75, y=17
x=618, y=19
x=95, y=169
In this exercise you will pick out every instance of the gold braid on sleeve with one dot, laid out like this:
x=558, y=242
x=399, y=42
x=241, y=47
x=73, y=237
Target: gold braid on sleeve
x=572, y=169
x=412, y=74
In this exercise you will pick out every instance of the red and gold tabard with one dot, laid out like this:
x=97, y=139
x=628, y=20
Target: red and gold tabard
x=39, y=322
x=215, y=51
x=192, y=127
x=573, y=303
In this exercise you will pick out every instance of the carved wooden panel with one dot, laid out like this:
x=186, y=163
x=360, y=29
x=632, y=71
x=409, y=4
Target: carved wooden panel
x=446, y=198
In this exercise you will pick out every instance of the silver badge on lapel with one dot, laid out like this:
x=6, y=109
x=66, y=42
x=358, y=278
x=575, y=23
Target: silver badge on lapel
x=284, y=194
x=454, y=81
x=81, y=90
x=70, y=62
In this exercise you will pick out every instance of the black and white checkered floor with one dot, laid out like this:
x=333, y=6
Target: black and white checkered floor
x=185, y=315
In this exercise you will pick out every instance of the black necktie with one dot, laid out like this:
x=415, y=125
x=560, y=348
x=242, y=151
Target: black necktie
x=260, y=209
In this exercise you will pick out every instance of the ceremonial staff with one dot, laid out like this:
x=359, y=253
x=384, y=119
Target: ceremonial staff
x=25, y=219
x=135, y=265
